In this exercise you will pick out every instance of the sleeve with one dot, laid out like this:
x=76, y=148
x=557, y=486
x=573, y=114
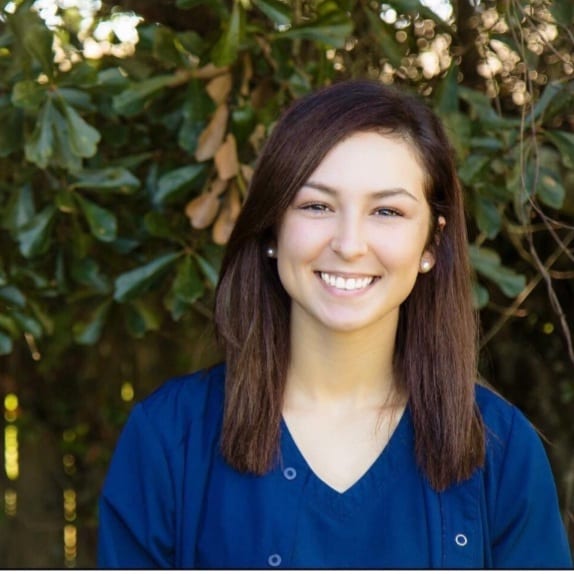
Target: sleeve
x=528, y=529
x=136, y=507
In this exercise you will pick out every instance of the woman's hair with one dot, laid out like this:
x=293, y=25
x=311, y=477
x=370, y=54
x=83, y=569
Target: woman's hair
x=435, y=351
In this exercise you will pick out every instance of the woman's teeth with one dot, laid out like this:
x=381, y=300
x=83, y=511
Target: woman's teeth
x=348, y=284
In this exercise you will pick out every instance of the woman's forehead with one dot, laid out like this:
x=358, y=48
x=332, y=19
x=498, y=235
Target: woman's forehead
x=372, y=162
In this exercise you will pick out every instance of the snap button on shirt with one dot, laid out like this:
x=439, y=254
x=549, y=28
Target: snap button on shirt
x=289, y=473
x=274, y=560
x=461, y=540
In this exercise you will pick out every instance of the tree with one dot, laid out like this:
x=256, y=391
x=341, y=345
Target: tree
x=127, y=142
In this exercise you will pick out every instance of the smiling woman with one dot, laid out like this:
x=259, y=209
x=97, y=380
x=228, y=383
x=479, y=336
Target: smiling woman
x=346, y=429
x=362, y=219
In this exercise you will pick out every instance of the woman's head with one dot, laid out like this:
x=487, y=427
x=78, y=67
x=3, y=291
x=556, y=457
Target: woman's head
x=300, y=141
x=355, y=238
x=435, y=346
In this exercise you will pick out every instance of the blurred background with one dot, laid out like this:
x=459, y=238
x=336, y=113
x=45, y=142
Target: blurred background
x=128, y=134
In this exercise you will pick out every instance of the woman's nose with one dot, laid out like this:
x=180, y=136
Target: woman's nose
x=348, y=240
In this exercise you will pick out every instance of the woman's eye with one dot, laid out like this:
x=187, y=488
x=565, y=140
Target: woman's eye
x=316, y=207
x=388, y=212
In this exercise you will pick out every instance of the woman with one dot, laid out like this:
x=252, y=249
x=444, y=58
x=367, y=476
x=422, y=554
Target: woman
x=346, y=428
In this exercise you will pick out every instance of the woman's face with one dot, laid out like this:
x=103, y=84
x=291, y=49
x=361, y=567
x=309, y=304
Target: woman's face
x=350, y=245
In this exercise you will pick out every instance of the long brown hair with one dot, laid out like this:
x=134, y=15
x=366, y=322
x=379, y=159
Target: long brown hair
x=435, y=356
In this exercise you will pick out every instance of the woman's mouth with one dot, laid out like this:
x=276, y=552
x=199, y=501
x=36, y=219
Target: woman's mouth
x=347, y=283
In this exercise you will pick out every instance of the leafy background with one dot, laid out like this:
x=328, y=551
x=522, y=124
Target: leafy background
x=128, y=133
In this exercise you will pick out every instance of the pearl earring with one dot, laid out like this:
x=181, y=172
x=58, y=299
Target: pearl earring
x=425, y=266
x=271, y=252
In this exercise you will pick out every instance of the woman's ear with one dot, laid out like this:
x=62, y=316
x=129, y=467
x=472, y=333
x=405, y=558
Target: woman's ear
x=428, y=258
x=441, y=224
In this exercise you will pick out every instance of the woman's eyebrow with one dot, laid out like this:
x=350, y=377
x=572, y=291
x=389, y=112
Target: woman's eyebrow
x=380, y=194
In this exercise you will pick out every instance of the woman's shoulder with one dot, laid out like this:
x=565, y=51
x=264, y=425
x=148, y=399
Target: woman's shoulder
x=506, y=428
x=524, y=523
x=185, y=399
x=497, y=413
x=188, y=388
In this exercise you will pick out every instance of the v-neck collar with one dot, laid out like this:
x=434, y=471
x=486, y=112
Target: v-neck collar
x=383, y=471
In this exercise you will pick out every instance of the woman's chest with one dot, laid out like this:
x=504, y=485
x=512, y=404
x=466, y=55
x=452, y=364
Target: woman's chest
x=289, y=518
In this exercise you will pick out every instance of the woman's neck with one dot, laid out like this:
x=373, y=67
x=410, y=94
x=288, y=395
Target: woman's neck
x=341, y=368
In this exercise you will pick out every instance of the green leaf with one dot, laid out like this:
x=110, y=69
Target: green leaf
x=34, y=238
x=332, y=30
x=299, y=86
x=184, y=4
x=472, y=167
x=112, y=79
x=77, y=99
x=188, y=286
x=20, y=208
x=278, y=12
x=103, y=223
x=87, y=272
x=564, y=141
x=83, y=74
x=8, y=325
x=114, y=179
x=552, y=90
x=177, y=181
x=165, y=47
x=132, y=283
x=12, y=132
x=5, y=344
x=83, y=137
x=158, y=225
x=28, y=276
x=225, y=50
x=446, y=94
x=141, y=318
x=488, y=217
x=191, y=42
x=176, y=307
x=480, y=296
x=550, y=188
x=38, y=42
x=482, y=106
x=132, y=100
x=459, y=128
x=562, y=11
x=12, y=295
x=487, y=263
x=208, y=269
x=125, y=245
x=64, y=155
x=197, y=108
x=41, y=314
x=33, y=35
x=385, y=37
x=28, y=95
x=486, y=143
x=415, y=7
x=89, y=331
x=133, y=161
x=61, y=139
x=28, y=324
x=40, y=147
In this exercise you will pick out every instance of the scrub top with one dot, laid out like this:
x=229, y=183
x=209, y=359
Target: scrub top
x=171, y=501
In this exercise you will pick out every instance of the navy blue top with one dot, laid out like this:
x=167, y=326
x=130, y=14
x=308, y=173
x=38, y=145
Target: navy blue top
x=170, y=500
